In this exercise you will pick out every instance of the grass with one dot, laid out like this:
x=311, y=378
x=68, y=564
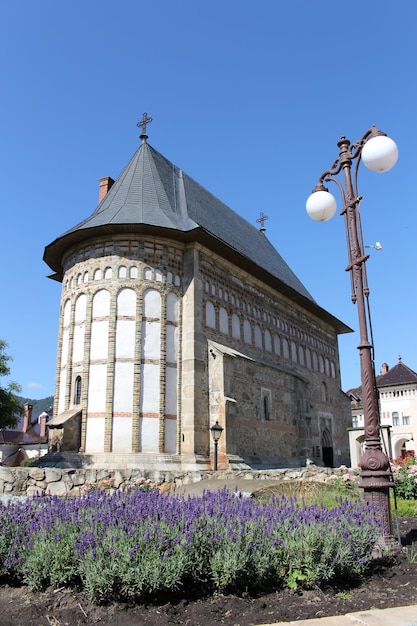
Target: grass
x=405, y=508
x=343, y=595
x=411, y=554
x=311, y=492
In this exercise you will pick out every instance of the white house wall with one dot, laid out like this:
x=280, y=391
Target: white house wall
x=399, y=401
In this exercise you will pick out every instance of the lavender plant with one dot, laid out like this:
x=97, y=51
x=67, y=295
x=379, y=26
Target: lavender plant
x=136, y=543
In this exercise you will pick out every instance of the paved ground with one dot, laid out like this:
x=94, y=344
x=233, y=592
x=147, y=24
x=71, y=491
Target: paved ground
x=245, y=485
x=401, y=616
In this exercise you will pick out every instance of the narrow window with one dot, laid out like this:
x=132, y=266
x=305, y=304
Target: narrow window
x=77, y=390
x=266, y=408
x=266, y=404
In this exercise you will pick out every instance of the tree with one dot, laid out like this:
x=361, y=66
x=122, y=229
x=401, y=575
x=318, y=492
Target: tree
x=9, y=403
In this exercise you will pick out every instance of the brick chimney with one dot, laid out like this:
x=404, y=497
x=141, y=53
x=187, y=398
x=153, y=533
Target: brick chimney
x=27, y=416
x=384, y=368
x=105, y=184
x=42, y=421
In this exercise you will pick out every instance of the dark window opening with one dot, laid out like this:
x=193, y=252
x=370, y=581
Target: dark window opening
x=77, y=390
x=267, y=413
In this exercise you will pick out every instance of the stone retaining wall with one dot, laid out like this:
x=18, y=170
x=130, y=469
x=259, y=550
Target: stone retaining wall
x=22, y=481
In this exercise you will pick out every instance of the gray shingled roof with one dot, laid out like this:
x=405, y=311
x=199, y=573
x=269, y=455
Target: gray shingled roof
x=152, y=194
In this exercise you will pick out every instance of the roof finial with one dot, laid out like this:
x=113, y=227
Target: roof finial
x=142, y=124
x=399, y=358
x=261, y=220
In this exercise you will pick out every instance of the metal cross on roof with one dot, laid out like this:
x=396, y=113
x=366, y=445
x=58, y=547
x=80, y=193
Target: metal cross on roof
x=261, y=220
x=143, y=124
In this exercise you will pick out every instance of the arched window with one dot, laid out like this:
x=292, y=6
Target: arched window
x=77, y=390
x=235, y=326
x=210, y=315
x=277, y=345
x=247, y=332
x=223, y=321
x=268, y=341
x=258, y=337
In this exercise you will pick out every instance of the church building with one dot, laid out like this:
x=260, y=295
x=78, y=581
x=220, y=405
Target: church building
x=176, y=313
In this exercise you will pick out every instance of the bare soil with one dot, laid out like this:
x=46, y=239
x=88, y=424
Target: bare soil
x=390, y=583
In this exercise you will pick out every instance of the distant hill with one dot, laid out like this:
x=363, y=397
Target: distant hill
x=38, y=405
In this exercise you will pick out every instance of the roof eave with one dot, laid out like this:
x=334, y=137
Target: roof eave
x=54, y=254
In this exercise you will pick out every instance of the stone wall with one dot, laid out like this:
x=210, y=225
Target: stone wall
x=20, y=481
x=268, y=348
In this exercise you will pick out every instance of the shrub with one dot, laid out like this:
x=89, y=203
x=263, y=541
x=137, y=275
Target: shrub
x=107, y=484
x=344, y=483
x=404, y=471
x=31, y=462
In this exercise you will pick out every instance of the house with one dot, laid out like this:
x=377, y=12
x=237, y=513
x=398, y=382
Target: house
x=176, y=313
x=397, y=394
x=28, y=440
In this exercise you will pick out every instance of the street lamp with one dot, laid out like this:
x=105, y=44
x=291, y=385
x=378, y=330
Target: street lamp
x=379, y=154
x=216, y=432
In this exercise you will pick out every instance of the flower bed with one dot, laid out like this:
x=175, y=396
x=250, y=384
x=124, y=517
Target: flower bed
x=132, y=544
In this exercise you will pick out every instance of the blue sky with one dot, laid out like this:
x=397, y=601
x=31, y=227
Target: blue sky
x=250, y=99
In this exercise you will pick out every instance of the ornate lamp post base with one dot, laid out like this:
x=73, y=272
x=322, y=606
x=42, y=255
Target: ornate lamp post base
x=379, y=154
x=376, y=486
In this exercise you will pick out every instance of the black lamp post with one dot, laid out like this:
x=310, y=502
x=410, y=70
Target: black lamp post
x=379, y=154
x=216, y=432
